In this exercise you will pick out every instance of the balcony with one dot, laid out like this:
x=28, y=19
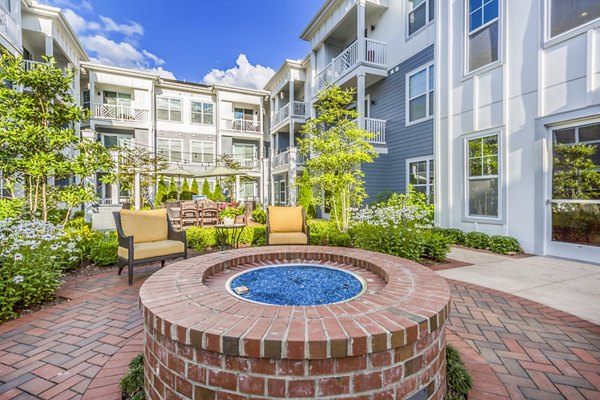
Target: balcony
x=377, y=128
x=298, y=110
x=241, y=126
x=8, y=25
x=282, y=160
x=249, y=164
x=120, y=113
x=375, y=56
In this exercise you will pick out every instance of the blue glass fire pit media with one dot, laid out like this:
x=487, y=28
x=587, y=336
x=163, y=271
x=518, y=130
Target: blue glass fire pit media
x=297, y=285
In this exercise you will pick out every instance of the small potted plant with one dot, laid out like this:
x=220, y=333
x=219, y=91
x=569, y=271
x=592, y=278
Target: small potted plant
x=228, y=215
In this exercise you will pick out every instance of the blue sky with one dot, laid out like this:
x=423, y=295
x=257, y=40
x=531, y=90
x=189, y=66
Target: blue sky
x=188, y=39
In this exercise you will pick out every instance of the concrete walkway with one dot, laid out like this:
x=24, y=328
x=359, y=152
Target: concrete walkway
x=569, y=286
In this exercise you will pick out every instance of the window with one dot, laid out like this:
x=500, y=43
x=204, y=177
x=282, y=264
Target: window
x=5, y=191
x=170, y=149
x=280, y=194
x=482, y=185
x=420, y=175
x=566, y=15
x=482, y=37
x=419, y=13
x=168, y=109
x=244, y=153
x=86, y=99
x=112, y=140
x=202, y=113
x=243, y=114
x=247, y=190
x=420, y=94
x=117, y=99
x=203, y=152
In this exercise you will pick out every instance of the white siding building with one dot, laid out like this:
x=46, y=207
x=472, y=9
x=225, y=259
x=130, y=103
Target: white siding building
x=515, y=78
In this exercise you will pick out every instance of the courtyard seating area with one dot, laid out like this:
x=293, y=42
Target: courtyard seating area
x=79, y=349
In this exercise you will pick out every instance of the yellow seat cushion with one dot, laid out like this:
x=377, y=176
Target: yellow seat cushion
x=145, y=226
x=152, y=249
x=285, y=219
x=288, y=238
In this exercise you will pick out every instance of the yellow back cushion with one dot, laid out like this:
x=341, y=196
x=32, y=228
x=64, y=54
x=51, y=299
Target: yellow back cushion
x=145, y=226
x=285, y=219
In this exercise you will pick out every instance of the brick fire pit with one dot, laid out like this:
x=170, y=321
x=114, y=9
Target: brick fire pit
x=203, y=343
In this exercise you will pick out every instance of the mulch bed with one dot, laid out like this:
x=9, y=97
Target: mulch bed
x=448, y=264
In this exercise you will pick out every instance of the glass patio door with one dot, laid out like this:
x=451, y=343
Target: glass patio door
x=575, y=204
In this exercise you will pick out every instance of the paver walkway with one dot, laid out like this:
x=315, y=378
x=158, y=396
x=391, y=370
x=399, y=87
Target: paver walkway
x=80, y=349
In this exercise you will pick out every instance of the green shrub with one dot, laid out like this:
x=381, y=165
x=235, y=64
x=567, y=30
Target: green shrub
x=201, y=239
x=399, y=241
x=132, y=384
x=436, y=245
x=11, y=208
x=477, y=240
x=77, y=228
x=458, y=378
x=259, y=215
x=103, y=249
x=326, y=233
x=504, y=244
x=258, y=237
x=33, y=256
x=456, y=236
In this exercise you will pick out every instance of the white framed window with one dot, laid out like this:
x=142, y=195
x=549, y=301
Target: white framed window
x=420, y=87
x=483, y=176
x=419, y=174
x=420, y=12
x=244, y=152
x=202, y=152
x=112, y=140
x=168, y=109
x=202, y=113
x=483, y=33
x=248, y=189
x=117, y=99
x=243, y=114
x=565, y=16
x=170, y=149
x=86, y=99
x=280, y=192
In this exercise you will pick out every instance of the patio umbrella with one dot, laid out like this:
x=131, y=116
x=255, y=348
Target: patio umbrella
x=179, y=172
x=224, y=171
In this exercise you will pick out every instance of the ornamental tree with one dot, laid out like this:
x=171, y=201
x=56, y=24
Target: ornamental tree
x=306, y=196
x=194, y=189
x=38, y=141
x=338, y=149
x=206, y=188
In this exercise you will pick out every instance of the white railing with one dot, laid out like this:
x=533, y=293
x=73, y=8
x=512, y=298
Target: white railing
x=377, y=127
x=283, y=159
x=298, y=110
x=249, y=164
x=28, y=65
x=120, y=112
x=241, y=125
x=375, y=54
x=8, y=25
x=281, y=115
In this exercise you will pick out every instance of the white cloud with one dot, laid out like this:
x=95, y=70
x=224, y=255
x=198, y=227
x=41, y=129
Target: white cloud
x=129, y=29
x=244, y=74
x=84, y=5
x=122, y=54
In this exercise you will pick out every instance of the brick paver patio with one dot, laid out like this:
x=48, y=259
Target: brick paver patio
x=515, y=348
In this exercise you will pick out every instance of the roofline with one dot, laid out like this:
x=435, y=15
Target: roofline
x=288, y=62
x=177, y=84
x=55, y=12
x=243, y=90
x=123, y=71
x=319, y=15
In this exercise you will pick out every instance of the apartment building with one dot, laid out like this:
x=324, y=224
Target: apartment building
x=384, y=49
x=516, y=80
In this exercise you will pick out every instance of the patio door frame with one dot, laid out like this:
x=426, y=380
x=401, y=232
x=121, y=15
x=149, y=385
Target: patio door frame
x=553, y=248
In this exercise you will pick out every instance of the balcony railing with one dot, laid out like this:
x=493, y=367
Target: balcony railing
x=298, y=110
x=8, y=25
x=377, y=127
x=120, y=112
x=241, y=125
x=283, y=159
x=375, y=54
x=249, y=164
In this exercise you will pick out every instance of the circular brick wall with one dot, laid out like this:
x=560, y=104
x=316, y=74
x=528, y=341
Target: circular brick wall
x=203, y=343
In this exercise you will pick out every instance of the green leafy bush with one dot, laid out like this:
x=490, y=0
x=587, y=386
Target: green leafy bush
x=103, y=249
x=259, y=235
x=456, y=236
x=504, y=244
x=458, y=378
x=399, y=241
x=11, y=208
x=259, y=215
x=477, y=240
x=201, y=239
x=132, y=384
x=436, y=245
x=33, y=257
x=326, y=233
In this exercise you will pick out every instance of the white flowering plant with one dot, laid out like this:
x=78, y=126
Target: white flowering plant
x=33, y=257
